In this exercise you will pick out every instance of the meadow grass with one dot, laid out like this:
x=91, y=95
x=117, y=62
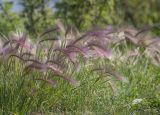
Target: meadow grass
x=27, y=86
x=20, y=94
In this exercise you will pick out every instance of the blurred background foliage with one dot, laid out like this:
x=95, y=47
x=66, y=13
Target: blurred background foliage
x=34, y=16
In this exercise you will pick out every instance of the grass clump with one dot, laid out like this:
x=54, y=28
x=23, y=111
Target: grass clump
x=102, y=71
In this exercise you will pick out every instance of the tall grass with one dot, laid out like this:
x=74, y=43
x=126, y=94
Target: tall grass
x=101, y=71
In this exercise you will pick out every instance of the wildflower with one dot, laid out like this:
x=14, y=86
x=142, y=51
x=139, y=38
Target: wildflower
x=136, y=101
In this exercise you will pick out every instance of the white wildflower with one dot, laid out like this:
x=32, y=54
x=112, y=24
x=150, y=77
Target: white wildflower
x=136, y=101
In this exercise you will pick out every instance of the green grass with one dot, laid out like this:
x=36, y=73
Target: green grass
x=21, y=94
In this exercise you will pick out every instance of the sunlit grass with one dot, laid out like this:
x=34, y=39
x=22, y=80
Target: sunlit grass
x=125, y=84
x=21, y=94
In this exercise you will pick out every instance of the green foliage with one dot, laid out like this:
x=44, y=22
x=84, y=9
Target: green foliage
x=9, y=21
x=36, y=15
x=87, y=13
x=139, y=13
x=90, y=13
